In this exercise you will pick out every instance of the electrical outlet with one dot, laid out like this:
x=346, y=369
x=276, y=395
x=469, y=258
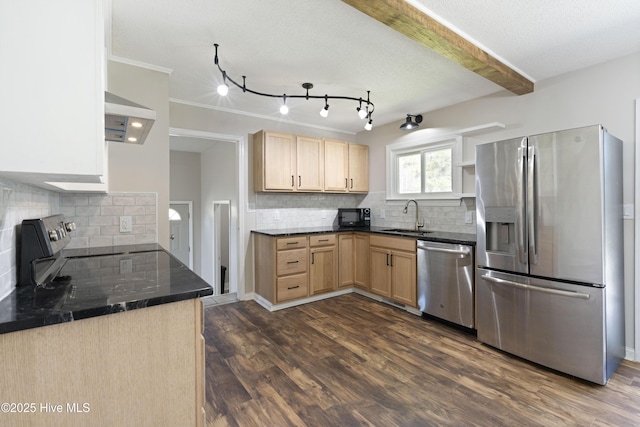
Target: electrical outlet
x=324, y=214
x=381, y=213
x=125, y=224
x=126, y=266
x=276, y=216
x=468, y=217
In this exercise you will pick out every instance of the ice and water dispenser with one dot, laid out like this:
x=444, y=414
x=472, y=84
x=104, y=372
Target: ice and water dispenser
x=500, y=229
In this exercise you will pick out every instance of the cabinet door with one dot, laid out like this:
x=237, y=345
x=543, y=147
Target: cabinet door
x=336, y=165
x=310, y=164
x=323, y=272
x=403, y=278
x=52, y=89
x=279, y=162
x=380, y=272
x=358, y=168
x=361, y=261
x=346, y=265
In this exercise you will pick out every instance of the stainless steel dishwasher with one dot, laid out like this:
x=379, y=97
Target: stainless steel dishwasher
x=446, y=281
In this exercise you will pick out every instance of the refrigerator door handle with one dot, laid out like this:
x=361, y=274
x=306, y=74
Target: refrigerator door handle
x=520, y=211
x=535, y=288
x=532, y=199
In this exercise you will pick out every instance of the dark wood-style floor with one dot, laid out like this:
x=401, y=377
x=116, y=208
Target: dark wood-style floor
x=351, y=361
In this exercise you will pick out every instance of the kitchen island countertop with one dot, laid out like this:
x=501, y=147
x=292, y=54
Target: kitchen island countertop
x=99, y=287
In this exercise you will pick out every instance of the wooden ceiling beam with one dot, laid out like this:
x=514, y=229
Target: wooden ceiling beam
x=413, y=23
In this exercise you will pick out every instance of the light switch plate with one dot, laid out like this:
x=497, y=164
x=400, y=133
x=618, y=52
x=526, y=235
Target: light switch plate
x=627, y=211
x=276, y=216
x=381, y=213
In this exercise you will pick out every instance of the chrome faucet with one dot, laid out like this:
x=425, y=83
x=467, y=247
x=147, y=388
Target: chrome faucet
x=418, y=224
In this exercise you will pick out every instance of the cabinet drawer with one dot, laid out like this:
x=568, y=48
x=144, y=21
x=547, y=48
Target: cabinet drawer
x=292, y=287
x=398, y=243
x=291, y=262
x=322, y=240
x=291, y=242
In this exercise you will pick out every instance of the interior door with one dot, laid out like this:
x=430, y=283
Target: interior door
x=180, y=239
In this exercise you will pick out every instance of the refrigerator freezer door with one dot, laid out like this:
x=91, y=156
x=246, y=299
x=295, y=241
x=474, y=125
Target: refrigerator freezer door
x=500, y=205
x=555, y=324
x=565, y=205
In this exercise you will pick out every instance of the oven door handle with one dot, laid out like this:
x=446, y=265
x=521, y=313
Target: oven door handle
x=523, y=286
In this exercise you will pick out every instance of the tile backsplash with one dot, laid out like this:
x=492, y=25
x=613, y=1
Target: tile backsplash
x=97, y=217
x=286, y=211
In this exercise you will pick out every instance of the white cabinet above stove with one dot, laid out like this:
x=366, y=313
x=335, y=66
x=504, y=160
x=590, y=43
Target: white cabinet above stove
x=52, y=85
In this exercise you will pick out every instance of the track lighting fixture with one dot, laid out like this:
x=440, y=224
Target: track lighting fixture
x=364, y=112
x=410, y=124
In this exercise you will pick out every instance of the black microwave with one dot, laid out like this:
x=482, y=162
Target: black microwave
x=354, y=217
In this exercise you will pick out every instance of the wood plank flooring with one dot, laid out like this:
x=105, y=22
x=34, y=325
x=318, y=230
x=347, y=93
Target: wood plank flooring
x=351, y=361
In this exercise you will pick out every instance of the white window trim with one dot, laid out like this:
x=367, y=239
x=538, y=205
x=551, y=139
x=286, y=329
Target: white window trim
x=448, y=199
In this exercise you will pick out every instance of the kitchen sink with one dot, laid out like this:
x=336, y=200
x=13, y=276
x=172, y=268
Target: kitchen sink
x=407, y=231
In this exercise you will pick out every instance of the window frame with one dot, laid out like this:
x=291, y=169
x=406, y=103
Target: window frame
x=394, y=151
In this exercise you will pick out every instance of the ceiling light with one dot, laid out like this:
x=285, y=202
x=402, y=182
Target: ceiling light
x=136, y=124
x=283, y=108
x=410, y=124
x=363, y=112
x=223, y=89
x=132, y=139
x=325, y=110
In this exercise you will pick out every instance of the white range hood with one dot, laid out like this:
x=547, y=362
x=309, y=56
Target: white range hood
x=125, y=121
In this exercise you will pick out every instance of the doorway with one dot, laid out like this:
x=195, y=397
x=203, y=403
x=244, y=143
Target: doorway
x=181, y=231
x=221, y=233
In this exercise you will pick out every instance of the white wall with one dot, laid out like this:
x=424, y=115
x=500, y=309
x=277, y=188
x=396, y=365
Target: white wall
x=604, y=94
x=219, y=173
x=143, y=168
x=185, y=186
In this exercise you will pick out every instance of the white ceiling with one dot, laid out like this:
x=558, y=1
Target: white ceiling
x=280, y=44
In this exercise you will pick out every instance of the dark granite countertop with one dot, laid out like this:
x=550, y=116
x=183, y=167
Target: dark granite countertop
x=118, y=279
x=434, y=236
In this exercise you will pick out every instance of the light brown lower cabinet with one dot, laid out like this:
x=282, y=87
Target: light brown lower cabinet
x=393, y=268
x=323, y=265
x=290, y=268
x=353, y=250
x=138, y=367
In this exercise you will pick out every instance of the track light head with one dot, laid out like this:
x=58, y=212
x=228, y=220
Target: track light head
x=325, y=110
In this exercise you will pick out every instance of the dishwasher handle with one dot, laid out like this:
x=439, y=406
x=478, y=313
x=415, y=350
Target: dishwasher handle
x=552, y=291
x=463, y=252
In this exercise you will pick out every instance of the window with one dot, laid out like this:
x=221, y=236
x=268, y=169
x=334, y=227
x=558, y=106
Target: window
x=422, y=170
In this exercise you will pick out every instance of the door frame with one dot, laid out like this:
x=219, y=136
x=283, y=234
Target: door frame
x=238, y=238
x=216, y=245
x=636, y=313
x=190, y=206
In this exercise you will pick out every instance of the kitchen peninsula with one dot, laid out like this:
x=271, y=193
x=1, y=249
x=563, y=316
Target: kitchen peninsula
x=107, y=352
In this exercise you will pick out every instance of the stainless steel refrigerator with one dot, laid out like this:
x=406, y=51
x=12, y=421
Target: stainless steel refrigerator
x=550, y=250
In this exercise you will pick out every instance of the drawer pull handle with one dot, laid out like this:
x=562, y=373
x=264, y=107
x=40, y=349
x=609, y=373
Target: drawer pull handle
x=323, y=240
x=292, y=262
x=292, y=243
x=293, y=287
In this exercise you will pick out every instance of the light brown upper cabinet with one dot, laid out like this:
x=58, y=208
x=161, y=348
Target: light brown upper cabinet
x=310, y=163
x=346, y=167
x=286, y=163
